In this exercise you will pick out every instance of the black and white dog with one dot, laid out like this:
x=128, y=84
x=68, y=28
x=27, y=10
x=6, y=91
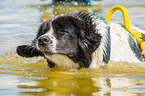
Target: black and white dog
x=79, y=40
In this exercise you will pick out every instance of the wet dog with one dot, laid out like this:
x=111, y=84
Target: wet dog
x=80, y=40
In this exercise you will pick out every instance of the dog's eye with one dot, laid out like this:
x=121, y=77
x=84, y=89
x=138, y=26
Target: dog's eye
x=62, y=32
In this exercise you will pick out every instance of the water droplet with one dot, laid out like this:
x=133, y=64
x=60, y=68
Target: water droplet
x=42, y=12
x=75, y=3
x=38, y=7
x=55, y=13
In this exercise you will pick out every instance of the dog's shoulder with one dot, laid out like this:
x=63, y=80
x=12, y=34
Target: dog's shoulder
x=102, y=54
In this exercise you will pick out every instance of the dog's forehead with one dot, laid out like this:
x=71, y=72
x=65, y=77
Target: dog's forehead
x=63, y=19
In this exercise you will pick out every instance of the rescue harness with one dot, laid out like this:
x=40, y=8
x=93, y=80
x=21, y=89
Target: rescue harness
x=140, y=37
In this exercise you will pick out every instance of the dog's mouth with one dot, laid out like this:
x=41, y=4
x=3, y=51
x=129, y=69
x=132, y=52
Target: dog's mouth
x=44, y=50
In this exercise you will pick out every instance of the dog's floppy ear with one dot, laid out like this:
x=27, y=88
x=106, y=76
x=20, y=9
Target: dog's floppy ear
x=89, y=38
x=28, y=51
x=89, y=44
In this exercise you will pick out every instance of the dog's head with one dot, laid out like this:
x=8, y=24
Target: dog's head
x=69, y=34
x=73, y=35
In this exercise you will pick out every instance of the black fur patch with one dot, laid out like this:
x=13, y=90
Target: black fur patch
x=88, y=37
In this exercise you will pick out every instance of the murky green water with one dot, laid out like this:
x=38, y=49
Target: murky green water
x=22, y=76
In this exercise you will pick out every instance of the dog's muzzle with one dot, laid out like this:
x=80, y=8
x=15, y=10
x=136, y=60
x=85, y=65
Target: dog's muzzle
x=44, y=40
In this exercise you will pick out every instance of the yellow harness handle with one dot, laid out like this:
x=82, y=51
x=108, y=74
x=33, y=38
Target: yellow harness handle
x=137, y=36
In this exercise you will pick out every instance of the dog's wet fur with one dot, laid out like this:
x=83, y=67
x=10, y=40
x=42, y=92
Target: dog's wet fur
x=73, y=36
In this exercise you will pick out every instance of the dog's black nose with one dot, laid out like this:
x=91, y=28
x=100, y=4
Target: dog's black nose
x=43, y=40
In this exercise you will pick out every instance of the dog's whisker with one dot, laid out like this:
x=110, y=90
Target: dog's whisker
x=33, y=50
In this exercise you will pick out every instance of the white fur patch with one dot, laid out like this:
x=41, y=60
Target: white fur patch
x=120, y=47
x=53, y=39
x=62, y=61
